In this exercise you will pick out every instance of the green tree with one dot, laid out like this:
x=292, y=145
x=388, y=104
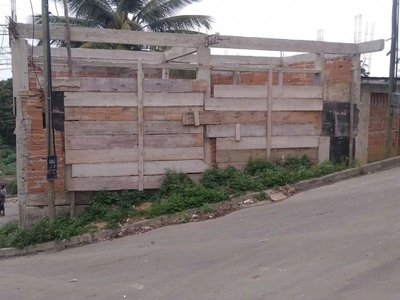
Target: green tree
x=7, y=118
x=137, y=15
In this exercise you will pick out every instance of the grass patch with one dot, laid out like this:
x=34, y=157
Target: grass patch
x=176, y=194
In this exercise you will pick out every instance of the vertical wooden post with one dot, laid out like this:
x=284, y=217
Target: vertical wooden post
x=19, y=50
x=204, y=73
x=269, y=109
x=140, y=126
x=165, y=74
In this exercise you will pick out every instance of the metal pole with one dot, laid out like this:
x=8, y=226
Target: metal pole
x=392, y=67
x=47, y=101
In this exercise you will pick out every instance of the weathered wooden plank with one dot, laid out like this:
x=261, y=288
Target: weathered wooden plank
x=240, y=91
x=101, y=128
x=261, y=91
x=250, y=43
x=260, y=142
x=100, y=156
x=131, y=155
x=324, y=148
x=169, y=127
x=297, y=92
x=243, y=117
x=100, y=113
x=185, y=166
x=96, y=142
x=100, y=54
x=259, y=130
x=168, y=113
x=172, y=141
x=140, y=126
x=90, y=84
x=118, y=183
x=270, y=108
x=297, y=104
x=105, y=169
x=260, y=104
x=177, y=99
x=90, y=99
x=97, y=35
x=130, y=169
x=243, y=156
x=235, y=104
x=104, y=183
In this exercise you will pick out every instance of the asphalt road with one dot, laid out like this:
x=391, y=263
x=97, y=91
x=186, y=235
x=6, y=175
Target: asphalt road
x=335, y=242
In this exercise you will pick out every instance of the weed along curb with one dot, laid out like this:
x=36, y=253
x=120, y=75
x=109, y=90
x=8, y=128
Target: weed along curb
x=220, y=209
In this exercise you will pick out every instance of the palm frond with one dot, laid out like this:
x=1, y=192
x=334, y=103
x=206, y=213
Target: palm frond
x=181, y=23
x=131, y=6
x=160, y=9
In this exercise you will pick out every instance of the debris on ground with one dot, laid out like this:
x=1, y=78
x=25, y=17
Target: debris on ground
x=73, y=280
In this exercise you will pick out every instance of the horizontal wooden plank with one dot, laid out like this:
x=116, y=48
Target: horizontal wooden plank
x=98, y=84
x=169, y=127
x=117, y=183
x=251, y=43
x=243, y=117
x=89, y=99
x=103, y=54
x=100, y=113
x=240, y=91
x=131, y=155
x=177, y=99
x=93, y=99
x=131, y=168
x=297, y=104
x=97, y=35
x=244, y=156
x=260, y=130
x=297, y=92
x=101, y=128
x=260, y=142
x=168, y=113
x=261, y=91
x=236, y=104
x=173, y=140
x=96, y=142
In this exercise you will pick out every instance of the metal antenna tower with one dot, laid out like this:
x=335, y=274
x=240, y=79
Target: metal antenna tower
x=320, y=35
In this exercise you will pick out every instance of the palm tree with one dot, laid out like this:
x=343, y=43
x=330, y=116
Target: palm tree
x=137, y=15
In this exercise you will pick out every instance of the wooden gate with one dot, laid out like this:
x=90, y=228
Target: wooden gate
x=377, y=128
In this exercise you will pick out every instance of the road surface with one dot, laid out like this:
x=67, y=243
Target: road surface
x=336, y=242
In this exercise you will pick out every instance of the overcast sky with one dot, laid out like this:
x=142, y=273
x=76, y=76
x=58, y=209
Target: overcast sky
x=289, y=19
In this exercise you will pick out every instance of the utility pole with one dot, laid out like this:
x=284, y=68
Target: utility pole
x=392, y=68
x=48, y=111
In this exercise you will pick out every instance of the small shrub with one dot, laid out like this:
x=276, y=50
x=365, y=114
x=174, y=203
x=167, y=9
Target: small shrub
x=185, y=218
x=12, y=187
x=261, y=196
x=206, y=208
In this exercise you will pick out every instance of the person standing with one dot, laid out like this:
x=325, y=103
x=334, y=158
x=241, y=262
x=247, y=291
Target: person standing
x=2, y=200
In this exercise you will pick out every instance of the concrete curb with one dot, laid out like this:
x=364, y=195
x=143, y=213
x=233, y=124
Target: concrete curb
x=147, y=225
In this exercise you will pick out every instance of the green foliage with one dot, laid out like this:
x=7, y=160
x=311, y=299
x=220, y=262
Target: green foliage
x=7, y=161
x=12, y=187
x=206, y=208
x=7, y=118
x=185, y=218
x=177, y=194
x=261, y=196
